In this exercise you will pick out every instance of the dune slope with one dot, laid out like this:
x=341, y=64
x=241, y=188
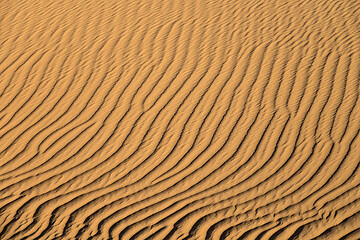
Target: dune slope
x=179, y=119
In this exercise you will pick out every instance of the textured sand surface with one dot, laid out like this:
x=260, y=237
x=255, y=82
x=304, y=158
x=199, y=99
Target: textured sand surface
x=179, y=119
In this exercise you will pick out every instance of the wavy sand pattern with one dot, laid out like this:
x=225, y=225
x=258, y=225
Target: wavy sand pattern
x=180, y=119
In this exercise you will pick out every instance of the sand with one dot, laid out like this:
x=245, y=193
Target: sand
x=179, y=119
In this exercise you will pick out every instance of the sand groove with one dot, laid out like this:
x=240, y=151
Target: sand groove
x=179, y=119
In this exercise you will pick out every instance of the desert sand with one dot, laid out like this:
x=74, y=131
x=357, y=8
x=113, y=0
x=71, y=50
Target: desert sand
x=204, y=119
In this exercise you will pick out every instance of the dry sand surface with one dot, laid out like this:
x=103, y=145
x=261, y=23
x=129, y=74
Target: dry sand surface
x=179, y=119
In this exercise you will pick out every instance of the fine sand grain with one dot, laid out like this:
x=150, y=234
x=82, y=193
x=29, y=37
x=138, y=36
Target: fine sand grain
x=179, y=119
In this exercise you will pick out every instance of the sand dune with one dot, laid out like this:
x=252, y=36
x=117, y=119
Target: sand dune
x=180, y=119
